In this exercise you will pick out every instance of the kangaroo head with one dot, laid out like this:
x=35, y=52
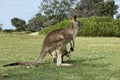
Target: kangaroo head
x=75, y=23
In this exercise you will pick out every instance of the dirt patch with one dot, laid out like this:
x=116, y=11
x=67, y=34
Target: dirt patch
x=34, y=33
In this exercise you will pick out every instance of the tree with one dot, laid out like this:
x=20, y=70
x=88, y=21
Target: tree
x=1, y=27
x=37, y=23
x=56, y=10
x=87, y=8
x=19, y=24
x=118, y=15
x=110, y=8
x=84, y=8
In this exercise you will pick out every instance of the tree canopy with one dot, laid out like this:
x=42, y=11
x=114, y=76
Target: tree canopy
x=19, y=24
x=37, y=23
x=56, y=10
x=1, y=27
x=87, y=8
x=118, y=15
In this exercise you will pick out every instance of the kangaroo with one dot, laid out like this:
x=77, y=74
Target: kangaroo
x=55, y=41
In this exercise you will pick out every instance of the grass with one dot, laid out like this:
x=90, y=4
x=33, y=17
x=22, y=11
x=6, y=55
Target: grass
x=94, y=58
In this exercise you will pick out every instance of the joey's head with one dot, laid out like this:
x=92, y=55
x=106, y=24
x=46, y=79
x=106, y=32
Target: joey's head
x=75, y=22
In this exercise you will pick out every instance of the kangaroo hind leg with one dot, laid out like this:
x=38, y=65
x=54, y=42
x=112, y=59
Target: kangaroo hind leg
x=59, y=59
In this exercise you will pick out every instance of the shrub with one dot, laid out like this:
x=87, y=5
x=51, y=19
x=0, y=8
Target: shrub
x=62, y=25
x=8, y=30
x=92, y=26
x=100, y=26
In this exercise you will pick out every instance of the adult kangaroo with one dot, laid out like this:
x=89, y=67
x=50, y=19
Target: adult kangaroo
x=54, y=41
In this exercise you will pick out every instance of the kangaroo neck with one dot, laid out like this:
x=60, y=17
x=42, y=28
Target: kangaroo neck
x=74, y=27
x=74, y=31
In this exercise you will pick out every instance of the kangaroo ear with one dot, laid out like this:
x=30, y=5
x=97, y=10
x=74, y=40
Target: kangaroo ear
x=75, y=17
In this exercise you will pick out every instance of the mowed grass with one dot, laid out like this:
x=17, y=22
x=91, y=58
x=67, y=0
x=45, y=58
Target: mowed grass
x=94, y=58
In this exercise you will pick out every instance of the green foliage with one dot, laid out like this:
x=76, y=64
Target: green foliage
x=37, y=23
x=56, y=10
x=8, y=30
x=92, y=26
x=100, y=26
x=62, y=25
x=87, y=8
x=19, y=24
x=109, y=8
x=0, y=27
x=118, y=15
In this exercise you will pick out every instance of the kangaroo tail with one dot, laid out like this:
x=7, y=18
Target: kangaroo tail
x=19, y=63
x=11, y=64
x=35, y=62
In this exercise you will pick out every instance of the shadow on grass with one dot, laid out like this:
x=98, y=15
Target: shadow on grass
x=88, y=62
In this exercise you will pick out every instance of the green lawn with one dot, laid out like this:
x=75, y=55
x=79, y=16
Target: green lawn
x=94, y=58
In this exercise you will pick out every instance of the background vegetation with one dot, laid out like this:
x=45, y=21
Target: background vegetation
x=52, y=12
x=92, y=26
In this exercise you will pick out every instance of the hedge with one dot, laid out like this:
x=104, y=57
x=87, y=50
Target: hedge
x=92, y=26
